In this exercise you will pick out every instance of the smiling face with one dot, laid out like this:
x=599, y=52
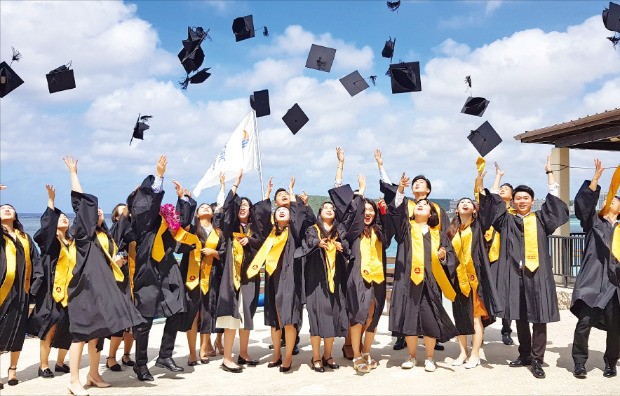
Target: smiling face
x=327, y=213
x=282, y=198
x=465, y=206
x=7, y=212
x=204, y=211
x=244, y=211
x=282, y=216
x=369, y=214
x=523, y=203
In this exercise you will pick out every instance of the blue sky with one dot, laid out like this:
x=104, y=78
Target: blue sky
x=538, y=62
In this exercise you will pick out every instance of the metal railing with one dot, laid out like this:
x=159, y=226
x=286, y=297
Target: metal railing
x=566, y=254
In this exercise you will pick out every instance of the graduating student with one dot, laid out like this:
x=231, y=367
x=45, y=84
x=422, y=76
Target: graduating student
x=325, y=282
x=421, y=188
x=596, y=294
x=492, y=237
x=283, y=288
x=159, y=289
x=93, y=282
x=242, y=226
x=17, y=256
x=50, y=318
x=362, y=229
x=526, y=288
x=474, y=307
x=124, y=238
x=425, y=264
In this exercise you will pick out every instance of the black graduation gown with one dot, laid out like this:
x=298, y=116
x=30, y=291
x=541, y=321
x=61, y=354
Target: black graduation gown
x=48, y=312
x=159, y=288
x=541, y=301
x=418, y=309
x=208, y=302
x=283, y=288
x=123, y=235
x=97, y=307
x=463, y=307
x=14, y=309
x=597, y=282
x=359, y=293
x=228, y=222
x=327, y=313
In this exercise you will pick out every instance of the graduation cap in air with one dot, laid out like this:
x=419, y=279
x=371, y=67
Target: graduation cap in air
x=9, y=80
x=484, y=139
x=388, y=48
x=60, y=79
x=393, y=5
x=243, y=28
x=192, y=56
x=141, y=126
x=611, y=17
x=354, y=83
x=259, y=101
x=405, y=77
x=475, y=106
x=295, y=118
x=320, y=58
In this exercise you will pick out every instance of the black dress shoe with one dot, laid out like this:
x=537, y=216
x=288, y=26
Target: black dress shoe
x=129, y=362
x=62, y=369
x=507, y=339
x=295, y=350
x=275, y=364
x=47, y=373
x=231, y=369
x=315, y=366
x=192, y=364
x=286, y=369
x=169, y=364
x=537, y=369
x=333, y=366
x=400, y=343
x=114, y=367
x=439, y=347
x=14, y=381
x=521, y=361
x=204, y=361
x=143, y=373
x=580, y=370
x=610, y=370
x=253, y=362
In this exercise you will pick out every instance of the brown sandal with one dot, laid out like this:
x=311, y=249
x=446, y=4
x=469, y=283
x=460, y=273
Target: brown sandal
x=347, y=352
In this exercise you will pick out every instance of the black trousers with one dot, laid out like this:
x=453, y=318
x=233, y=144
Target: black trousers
x=611, y=315
x=141, y=335
x=506, y=326
x=531, y=344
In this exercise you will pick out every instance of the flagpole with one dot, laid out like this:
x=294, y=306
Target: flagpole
x=260, y=163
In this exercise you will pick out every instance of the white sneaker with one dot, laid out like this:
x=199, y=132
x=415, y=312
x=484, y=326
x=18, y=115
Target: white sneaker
x=429, y=365
x=472, y=363
x=458, y=361
x=409, y=363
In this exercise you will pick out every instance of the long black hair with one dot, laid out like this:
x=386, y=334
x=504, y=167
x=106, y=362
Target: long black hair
x=200, y=231
x=275, y=222
x=455, y=224
x=17, y=225
x=375, y=224
x=433, y=220
x=323, y=233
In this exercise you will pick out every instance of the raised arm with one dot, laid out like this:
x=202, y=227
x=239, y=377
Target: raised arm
x=498, y=179
x=587, y=198
x=269, y=188
x=550, y=179
x=340, y=156
x=72, y=166
x=237, y=181
x=291, y=190
x=51, y=196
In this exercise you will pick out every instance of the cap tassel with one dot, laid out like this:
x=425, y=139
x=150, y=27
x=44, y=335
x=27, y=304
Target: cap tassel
x=16, y=56
x=265, y=31
x=373, y=79
x=184, y=83
x=393, y=5
x=614, y=40
x=468, y=83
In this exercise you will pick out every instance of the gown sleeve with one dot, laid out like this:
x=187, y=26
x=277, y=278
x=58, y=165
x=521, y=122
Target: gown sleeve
x=186, y=209
x=399, y=219
x=261, y=213
x=585, y=205
x=46, y=235
x=145, y=208
x=341, y=197
x=492, y=211
x=352, y=224
x=553, y=213
x=85, y=207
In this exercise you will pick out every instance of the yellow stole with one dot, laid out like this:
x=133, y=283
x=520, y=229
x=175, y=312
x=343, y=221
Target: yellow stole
x=105, y=246
x=207, y=262
x=64, y=272
x=158, y=251
x=466, y=271
x=611, y=192
x=11, y=267
x=530, y=237
x=237, y=258
x=23, y=239
x=615, y=242
x=493, y=236
x=269, y=253
x=480, y=163
x=411, y=211
x=131, y=262
x=330, y=259
x=417, y=260
x=371, y=250
x=193, y=262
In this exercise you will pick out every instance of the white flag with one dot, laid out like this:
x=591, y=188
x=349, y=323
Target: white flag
x=240, y=152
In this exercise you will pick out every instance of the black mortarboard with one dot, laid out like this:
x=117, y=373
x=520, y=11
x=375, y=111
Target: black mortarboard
x=484, y=139
x=354, y=83
x=192, y=55
x=611, y=17
x=141, y=126
x=9, y=80
x=393, y=5
x=295, y=118
x=259, y=101
x=475, y=106
x=60, y=79
x=405, y=77
x=320, y=58
x=243, y=28
x=388, y=48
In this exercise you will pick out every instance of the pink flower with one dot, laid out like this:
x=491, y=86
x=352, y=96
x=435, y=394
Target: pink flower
x=171, y=216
